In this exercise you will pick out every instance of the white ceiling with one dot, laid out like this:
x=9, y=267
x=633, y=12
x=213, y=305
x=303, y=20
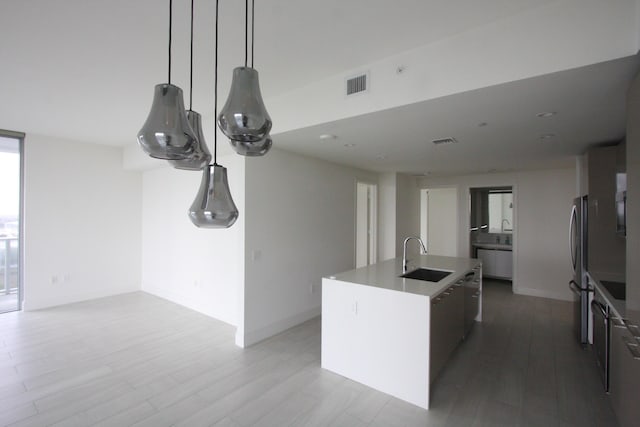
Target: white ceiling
x=589, y=102
x=85, y=69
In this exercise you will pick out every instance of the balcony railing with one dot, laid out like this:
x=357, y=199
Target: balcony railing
x=9, y=265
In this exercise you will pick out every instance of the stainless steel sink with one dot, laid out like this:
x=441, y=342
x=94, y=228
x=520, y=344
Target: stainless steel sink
x=427, y=274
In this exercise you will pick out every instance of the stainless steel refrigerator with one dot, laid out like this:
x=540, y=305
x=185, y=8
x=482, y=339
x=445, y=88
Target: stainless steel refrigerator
x=579, y=284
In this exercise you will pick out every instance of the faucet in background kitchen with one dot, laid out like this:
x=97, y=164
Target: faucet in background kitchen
x=404, y=251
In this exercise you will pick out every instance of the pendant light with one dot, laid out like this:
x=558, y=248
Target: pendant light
x=213, y=206
x=201, y=156
x=252, y=149
x=244, y=118
x=167, y=134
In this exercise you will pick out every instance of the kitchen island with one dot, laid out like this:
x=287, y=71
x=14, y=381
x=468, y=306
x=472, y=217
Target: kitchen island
x=394, y=334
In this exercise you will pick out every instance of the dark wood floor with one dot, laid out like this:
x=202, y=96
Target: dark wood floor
x=521, y=366
x=138, y=360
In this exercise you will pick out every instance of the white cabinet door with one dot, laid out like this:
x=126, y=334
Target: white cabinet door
x=496, y=263
x=488, y=258
x=504, y=264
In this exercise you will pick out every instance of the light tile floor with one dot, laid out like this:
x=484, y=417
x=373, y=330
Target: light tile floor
x=139, y=360
x=8, y=302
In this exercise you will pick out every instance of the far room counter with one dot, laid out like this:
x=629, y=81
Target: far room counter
x=394, y=334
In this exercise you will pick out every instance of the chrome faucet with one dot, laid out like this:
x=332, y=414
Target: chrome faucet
x=404, y=251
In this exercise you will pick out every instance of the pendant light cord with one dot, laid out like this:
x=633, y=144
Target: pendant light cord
x=246, y=31
x=253, y=26
x=191, y=64
x=215, y=96
x=170, y=19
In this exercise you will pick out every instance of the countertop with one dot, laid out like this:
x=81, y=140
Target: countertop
x=619, y=307
x=385, y=274
x=498, y=246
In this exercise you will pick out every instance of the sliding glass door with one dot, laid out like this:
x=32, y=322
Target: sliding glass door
x=10, y=221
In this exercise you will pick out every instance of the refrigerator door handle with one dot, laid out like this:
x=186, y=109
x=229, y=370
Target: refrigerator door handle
x=572, y=236
x=598, y=306
x=574, y=287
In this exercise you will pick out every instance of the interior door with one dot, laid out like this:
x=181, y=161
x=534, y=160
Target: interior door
x=366, y=224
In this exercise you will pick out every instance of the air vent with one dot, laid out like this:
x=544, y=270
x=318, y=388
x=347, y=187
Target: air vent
x=357, y=84
x=445, y=141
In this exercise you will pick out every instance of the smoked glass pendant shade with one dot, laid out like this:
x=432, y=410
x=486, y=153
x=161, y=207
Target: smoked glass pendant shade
x=167, y=133
x=244, y=117
x=252, y=149
x=201, y=156
x=213, y=206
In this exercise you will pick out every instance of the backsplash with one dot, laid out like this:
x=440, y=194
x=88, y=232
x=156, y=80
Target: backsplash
x=500, y=238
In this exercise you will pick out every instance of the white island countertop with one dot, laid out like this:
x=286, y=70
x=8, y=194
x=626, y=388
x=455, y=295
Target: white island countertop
x=386, y=274
x=381, y=330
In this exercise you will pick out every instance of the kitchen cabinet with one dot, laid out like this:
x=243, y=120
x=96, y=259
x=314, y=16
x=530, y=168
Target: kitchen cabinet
x=625, y=375
x=496, y=263
x=447, y=326
x=395, y=334
x=472, y=291
x=606, y=247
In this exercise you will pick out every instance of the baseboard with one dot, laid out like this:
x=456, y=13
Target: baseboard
x=27, y=304
x=532, y=292
x=257, y=335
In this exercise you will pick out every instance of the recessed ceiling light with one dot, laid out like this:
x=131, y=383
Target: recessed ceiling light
x=328, y=136
x=546, y=114
x=349, y=145
x=547, y=136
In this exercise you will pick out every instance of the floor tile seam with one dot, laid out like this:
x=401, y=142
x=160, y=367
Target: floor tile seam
x=284, y=398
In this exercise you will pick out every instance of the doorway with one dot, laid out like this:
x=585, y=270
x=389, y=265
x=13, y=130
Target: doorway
x=10, y=221
x=492, y=225
x=439, y=220
x=366, y=223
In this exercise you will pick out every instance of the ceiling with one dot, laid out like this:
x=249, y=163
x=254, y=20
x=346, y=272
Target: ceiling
x=497, y=127
x=84, y=70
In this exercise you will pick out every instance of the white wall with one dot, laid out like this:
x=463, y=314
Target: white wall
x=82, y=222
x=199, y=268
x=542, y=201
x=300, y=226
x=543, y=204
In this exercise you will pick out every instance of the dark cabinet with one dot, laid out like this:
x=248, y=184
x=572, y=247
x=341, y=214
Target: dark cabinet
x=625, y=375
x=606, y=246
x=447, y=326
x=472, y=291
